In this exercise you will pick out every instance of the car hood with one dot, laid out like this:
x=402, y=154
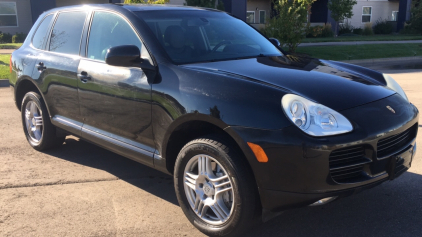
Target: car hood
x=334, y=84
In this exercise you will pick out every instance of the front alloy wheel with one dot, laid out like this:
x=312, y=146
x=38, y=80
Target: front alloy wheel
x=208, y=189
x=215, y=187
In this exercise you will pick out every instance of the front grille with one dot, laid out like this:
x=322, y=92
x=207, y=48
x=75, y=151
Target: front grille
x=390, y=145
x=346, y=164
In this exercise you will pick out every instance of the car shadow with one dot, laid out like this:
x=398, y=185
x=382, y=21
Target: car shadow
x=393, y=208
x=146, y=178
x=390, y=209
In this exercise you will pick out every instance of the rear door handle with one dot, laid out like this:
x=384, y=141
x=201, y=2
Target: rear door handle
x=84, y=77
x=40, y=66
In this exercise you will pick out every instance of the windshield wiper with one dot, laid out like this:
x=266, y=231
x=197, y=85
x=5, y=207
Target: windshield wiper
x=229, y=59
x=253, y=56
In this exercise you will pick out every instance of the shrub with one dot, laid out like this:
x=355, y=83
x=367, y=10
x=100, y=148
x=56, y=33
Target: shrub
x=357, y=31
x=5, y=38
x=345, y=28
x=314, y=31
x=266, y=31
x=408, y=29
x=367, y=29
x=288, y=24
x=18, y=38
x=327, y=31
x=383, y=27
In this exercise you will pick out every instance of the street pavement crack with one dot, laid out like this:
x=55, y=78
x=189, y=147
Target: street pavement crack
x=61, y=182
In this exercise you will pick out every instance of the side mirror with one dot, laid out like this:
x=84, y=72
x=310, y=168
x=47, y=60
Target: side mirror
x=127, y=56
x=275, y=42
x=123, y=56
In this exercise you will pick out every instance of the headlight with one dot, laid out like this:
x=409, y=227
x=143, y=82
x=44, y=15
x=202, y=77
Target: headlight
x=392, y=84
x=314, y=119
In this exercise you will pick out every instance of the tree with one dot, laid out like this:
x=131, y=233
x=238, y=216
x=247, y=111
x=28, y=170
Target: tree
x=289, y=23
x=416, y=19
x=217, y=4
x=340, y=10
x=147, y=1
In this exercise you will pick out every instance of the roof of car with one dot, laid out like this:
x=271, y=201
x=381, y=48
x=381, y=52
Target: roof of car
x=135, y=7
x=161, y=7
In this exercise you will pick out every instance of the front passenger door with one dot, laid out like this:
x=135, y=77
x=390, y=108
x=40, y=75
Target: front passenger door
x=115, y=102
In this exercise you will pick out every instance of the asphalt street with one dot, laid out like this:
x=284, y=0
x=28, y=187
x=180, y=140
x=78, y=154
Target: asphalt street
x=83, y=190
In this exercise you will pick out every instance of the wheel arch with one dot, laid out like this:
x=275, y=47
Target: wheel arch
x=191, y=126
x=23, y=86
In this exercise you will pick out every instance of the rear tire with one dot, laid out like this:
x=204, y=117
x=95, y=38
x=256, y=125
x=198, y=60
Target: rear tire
x=219, y=199
x=39, y=131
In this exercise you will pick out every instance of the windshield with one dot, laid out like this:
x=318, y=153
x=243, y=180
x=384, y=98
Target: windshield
x=191, y=36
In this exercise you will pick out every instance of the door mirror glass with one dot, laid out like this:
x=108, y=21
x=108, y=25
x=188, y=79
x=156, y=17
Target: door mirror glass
x=123, y=56
x=275, y=42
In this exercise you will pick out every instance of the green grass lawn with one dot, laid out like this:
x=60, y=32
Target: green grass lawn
x=366, y=51
x=363, y=38
x=4, y=66
x=10, y=46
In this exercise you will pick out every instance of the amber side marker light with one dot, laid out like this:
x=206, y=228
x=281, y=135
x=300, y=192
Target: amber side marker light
x=10, y=64
x=259, y=152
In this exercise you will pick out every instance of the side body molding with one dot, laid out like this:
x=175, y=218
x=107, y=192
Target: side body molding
x=117, y=144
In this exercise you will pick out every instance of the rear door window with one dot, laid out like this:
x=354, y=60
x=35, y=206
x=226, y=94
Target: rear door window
x=41, y=33
x=67, y=33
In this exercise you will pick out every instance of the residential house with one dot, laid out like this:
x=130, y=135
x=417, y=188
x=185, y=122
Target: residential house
x=366, y=11
x=377, y=10
x=396, y=11
x=19, y=15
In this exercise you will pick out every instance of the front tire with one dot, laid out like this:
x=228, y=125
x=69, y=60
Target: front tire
x=215, y=187
x=39, y=131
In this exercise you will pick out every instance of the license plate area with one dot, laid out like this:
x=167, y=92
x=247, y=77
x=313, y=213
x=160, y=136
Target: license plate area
x=400, y=163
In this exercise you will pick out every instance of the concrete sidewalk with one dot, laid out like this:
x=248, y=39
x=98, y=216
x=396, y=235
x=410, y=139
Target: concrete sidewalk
x=360, y=43
x=397, y=60
x=6, y=51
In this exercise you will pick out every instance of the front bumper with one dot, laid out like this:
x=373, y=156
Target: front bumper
x=300, y=169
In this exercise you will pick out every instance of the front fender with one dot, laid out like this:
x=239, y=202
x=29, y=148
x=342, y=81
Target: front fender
x=188, y=95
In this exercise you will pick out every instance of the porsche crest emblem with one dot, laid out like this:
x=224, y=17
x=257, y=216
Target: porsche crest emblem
x=391, y=109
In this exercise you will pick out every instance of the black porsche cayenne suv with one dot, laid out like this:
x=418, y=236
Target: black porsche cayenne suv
x=245, y=128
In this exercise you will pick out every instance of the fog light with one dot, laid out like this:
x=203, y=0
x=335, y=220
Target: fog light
x=323, y=201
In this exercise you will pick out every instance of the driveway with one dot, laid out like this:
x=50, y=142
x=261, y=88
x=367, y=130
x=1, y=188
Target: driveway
x=83, y=190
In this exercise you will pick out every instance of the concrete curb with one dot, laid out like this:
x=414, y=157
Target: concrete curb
x=4, y=82
x=342, y=43
x=383, y=60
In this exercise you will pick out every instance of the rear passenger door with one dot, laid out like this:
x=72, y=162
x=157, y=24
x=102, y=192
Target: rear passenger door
x=57, y=68
x=115, y=102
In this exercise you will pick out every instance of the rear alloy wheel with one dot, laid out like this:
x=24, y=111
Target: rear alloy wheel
x=215, y=187
x=33, y=121
x=39, y=131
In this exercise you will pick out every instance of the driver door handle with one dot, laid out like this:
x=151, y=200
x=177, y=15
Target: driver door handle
x=84, y=77
x=40, y=66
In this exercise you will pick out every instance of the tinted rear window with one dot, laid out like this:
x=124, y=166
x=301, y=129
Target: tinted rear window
x=41, y=34
x=67, y=32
